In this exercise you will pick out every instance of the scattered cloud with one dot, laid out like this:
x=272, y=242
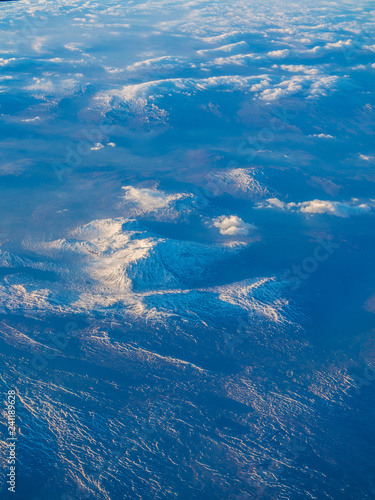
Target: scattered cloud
x=300, y=68
x=369, y=158
x=233, y=226
x=236, y=60
x=178, y=85
x=140, y=201
x=32, y=120
x=220, y=38
x=5, y=62
x=322, y=136
x=73, y=47
x=97, y=147
x=311, y=85
x=224, y=48
x=339, y=209
x=166, y=62
x=278, y=54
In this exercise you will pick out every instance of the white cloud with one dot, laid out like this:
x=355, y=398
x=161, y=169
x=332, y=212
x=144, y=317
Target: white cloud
x=285, y=88
x=278, y=54
x=339, y=45
x=138, y=201
x=220, y=38
x=367, y=157
x=333, y=208
x=237, y=60
x=4, y=62
x=178, y=85
x=223, y=48
x=321, y=50
x=300, y=68
x=311, y=84
x=275, y=202
x=321, y=86
x=97, y=147
x=233, y=226
x=29, y=120
x=74, y=47
x=339, y=209
x=56, y=87
x=158, y=62
x=261, y=85
x=38, y=43
x=322, y=136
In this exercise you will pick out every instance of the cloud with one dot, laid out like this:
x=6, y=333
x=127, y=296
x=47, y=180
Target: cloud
x=300, y=68
x=367, y=157
x=333, y=208
x=278, y=54
x=323, y=84
x=38, y=43
x=285, y=88
x=329, y=47
x=163, y=62
x=224, y=48
x=257, y=87
x=322, y=136
x=4, y=62
x=15, y=167
x=336, y=208
x=139, y=201
x=220, y=38
x=74, y=47
x=97, y=147
x=30, y=120
x=177, y=85
x=311, y=84
x=237, y=60
x=56, y=87
x=233, y=226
